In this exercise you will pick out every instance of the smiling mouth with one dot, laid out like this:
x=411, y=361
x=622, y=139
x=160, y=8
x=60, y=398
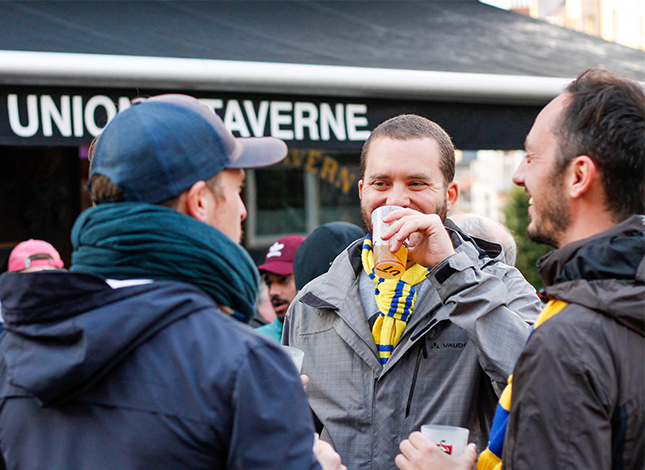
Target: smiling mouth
x=530, y=201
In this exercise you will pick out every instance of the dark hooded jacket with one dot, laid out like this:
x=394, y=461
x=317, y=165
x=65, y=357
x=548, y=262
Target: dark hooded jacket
x=578, y=387
x=150, y=376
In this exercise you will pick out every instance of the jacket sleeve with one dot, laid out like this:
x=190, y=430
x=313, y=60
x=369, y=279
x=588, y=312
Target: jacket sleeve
x=561, y=407
x=272, y=425
x=290, y=322
x=287, y=326
x=494, y=305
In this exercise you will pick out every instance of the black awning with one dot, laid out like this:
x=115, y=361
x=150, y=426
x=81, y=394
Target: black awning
x=440, y=35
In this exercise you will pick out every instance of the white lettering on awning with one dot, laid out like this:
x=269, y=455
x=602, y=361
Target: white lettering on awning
x=72, y=116
x=14, y=116
x=90, y=113
x=61, y=117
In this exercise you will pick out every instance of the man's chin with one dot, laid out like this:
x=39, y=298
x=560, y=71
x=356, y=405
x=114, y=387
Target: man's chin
x=540, y=236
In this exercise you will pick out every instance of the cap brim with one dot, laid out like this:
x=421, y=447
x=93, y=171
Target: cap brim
x=258, y=152
x=249, y=152
x=281, y=268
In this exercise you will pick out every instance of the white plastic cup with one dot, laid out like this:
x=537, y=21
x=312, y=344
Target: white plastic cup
x=296, y=356
x=387, y=265
x=451, y=439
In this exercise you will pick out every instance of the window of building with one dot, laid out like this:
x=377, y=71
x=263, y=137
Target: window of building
x=309, y=188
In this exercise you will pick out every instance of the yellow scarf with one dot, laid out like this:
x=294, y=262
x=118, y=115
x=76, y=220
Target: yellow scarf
x=395, y=299
x=491, y=457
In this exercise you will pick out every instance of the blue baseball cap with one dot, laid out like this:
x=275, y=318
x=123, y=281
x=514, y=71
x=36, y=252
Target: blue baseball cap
x=161, y=146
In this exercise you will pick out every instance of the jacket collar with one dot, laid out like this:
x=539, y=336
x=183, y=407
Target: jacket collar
x=338, y=291
x=552, y=264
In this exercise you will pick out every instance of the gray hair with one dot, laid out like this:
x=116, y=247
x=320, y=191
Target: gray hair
x=488, y=229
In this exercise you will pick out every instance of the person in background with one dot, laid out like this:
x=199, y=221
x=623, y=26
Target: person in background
x=488, y=229
x=575, y=400
x=385, y=357
x=34, y=255
x=316, y=254
x=138, y=357
x=264, y=313
x=277, y=272
x=318, y=251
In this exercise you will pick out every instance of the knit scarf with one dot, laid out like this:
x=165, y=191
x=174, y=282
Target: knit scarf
x=491, y=457
x=133, y=240
x=395, y=299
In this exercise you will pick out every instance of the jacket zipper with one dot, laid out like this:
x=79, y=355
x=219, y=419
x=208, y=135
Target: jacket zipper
x=424, y=351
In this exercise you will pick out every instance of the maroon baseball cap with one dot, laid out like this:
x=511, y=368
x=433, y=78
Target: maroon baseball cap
x=279, y=259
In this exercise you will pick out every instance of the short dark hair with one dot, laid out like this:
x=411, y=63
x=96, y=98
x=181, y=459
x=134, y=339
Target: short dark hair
x=103, y=189
x=605, y=120
x=411, y=126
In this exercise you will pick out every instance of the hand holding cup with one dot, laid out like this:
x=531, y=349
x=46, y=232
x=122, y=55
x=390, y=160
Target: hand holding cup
x=428, y=242
x=420, y=453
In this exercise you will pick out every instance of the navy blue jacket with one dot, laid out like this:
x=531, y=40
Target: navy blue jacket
x=153, y=376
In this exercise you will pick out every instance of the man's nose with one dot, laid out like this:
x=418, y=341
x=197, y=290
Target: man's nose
x=518, y=176
x=399, y=195
x=243, y=211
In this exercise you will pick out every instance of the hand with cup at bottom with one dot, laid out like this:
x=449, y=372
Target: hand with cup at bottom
x=297, y=356
x=420, y=453
x=328, y=457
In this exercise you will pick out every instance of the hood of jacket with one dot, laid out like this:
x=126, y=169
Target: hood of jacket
x=605, y=272
x=66, y=331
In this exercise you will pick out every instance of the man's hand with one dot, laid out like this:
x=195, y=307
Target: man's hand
x=420, y=453
x=305, y=380
x=328, y=457
x=428, y=241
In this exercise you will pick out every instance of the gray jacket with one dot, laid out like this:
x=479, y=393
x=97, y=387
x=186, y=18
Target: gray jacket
x=454, y=356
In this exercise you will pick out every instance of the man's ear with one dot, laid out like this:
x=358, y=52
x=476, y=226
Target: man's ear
x=581, y=173
x=360, y=189
x=195, y=202
x=453, y=194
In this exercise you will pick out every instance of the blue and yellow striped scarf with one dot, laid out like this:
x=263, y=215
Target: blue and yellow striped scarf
x=491, y=457
x=395, y=299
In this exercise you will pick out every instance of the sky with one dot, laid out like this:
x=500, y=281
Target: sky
x=505, y=4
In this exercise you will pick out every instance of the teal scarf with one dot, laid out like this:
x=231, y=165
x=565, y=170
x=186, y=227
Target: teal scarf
x=133, y=240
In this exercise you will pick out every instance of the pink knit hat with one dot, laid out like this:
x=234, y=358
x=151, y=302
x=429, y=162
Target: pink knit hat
x=22, y=255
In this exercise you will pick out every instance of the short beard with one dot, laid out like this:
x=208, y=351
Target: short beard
x=554, y=218
x=441, y=211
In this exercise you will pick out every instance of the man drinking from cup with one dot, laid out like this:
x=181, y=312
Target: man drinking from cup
x=434, y=345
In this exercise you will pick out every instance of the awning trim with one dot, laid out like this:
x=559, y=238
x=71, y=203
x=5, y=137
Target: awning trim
x=69, y=69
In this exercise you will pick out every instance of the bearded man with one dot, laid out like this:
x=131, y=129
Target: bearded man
x=436, y=346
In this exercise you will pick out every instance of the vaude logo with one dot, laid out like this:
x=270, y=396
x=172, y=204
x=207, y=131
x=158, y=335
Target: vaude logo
x=448, y=345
